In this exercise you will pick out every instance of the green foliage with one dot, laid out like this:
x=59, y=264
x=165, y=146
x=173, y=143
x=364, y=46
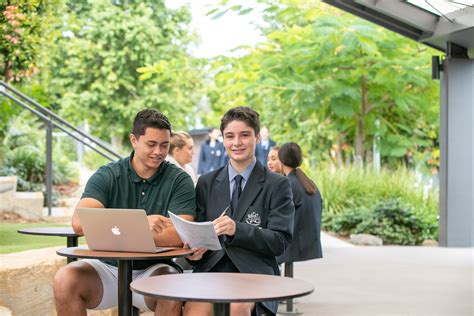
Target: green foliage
x=352, y=187
x=325, y=78
x=94, y=71
x=391, y=220
x=93, y=160
x=28, y=162
x=25, y=31
x=24, y=156
x=389, y=204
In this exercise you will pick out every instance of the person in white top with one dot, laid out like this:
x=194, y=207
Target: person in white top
x=181, y=152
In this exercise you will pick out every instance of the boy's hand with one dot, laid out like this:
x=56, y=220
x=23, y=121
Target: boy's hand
x=198, y=252
x=158, y=223
x=224, y=225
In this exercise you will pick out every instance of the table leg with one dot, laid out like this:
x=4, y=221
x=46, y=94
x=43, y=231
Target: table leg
x=221, y=309
x=72, y=241
x=125, y=307
x=289, y=273
x=289, y=302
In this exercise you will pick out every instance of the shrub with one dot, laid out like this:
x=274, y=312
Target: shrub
x=390, y=204
x=390, y=220
x=24, y=156
x=395, y=223
x=345, y=222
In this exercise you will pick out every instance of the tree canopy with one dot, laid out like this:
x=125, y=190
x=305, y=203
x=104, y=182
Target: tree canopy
x=94, y=72
x=328, y=80
x=334, y=83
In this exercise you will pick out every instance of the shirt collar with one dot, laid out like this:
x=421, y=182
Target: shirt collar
x=245, y=174
x=135, y=178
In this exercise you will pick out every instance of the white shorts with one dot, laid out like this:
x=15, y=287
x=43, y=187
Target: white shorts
x=109, y=277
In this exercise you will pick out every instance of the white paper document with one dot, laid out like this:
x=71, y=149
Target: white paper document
x=196, y=235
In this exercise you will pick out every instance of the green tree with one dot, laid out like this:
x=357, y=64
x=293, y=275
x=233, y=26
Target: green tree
x=324, y=78
x=95, y=73
x=27, y=32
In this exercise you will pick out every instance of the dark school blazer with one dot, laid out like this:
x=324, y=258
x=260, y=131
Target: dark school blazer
x=211, y=158
x=306, y=243
x=264, y=220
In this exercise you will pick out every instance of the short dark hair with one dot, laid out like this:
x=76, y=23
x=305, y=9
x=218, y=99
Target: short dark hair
x=149, y=118
x=244, y=114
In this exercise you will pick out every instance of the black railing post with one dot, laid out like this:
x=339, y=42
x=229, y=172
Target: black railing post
x=49, y=165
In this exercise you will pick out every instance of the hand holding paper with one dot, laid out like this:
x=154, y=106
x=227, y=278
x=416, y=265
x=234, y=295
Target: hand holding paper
x=196, y=234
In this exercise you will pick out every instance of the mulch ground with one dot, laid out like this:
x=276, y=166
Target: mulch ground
x=11, y=217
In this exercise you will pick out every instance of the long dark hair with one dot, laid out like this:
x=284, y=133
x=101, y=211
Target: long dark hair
x=291, y=156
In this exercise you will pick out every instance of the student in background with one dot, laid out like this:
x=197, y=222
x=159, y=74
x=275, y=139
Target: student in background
x=306, y=242
x=273, y=163
x=181, y=152
x=212, y=155
x=258, y=222
x=263, y=147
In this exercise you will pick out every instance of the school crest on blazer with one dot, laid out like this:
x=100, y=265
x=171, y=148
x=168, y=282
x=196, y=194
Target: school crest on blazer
x=253, y=219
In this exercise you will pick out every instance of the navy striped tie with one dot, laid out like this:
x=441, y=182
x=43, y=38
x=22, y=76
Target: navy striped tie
x=236, y=192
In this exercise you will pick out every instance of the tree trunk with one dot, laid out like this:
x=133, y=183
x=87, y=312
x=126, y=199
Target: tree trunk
x=8, y=71
x=360, y=128
x=339, y=151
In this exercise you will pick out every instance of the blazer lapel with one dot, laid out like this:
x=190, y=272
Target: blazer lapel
x=221, y=193
x=250, y=192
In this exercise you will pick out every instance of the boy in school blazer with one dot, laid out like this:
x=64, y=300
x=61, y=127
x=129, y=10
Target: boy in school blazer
x=258, y=226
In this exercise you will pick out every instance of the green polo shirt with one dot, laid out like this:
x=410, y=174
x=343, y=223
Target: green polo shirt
x=117, y=185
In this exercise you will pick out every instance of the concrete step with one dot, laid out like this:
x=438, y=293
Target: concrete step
x=29, y=205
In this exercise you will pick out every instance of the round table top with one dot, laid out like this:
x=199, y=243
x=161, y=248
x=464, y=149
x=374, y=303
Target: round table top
x=221, y=287
x=49, y=231
x=84, y=252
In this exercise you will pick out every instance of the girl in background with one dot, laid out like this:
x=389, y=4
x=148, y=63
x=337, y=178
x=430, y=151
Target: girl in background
x=306, y=242
x=273, y=163
x=181, y=152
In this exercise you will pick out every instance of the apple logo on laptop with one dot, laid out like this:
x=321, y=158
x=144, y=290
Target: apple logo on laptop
x=115, y=230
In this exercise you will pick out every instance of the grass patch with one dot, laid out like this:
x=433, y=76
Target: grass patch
x=11, y=241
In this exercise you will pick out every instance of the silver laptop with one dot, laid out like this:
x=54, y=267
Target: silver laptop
x=118, y=230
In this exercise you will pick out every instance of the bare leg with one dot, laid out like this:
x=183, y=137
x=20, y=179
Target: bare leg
x=197, y=309
x=76, y=287
x=164, y=307
x=241, y=309
x=205, y=309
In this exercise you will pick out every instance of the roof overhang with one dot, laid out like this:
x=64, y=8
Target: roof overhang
x=416, y=23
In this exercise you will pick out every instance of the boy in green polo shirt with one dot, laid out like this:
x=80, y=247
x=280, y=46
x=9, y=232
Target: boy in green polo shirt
x=143, y=180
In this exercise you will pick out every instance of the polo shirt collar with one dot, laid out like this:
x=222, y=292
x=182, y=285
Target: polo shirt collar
x=135, y=178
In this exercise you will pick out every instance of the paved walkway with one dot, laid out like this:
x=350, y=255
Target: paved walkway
x=389, y=280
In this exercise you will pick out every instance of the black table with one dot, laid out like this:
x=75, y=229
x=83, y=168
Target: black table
x=71, y=236
x=125, y=263
x=221, y=288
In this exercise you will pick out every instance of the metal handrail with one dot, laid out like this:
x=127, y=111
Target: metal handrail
x=53, y=120
x=53, y=115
